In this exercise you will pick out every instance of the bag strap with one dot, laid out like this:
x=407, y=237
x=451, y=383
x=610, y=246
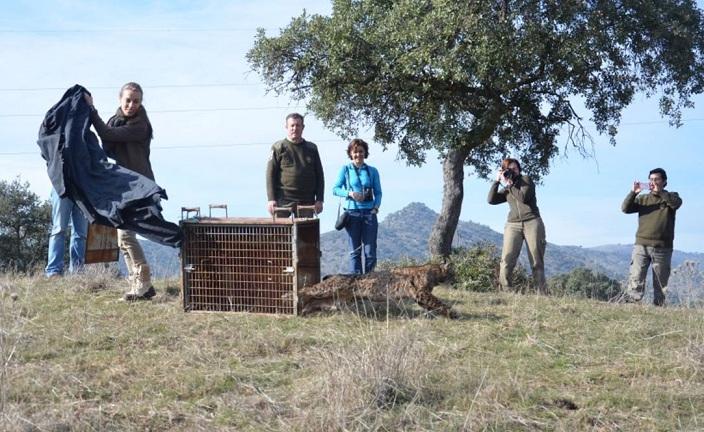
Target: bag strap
x=365, y=168
x=349, y=184
x=369, y=174
x=339, y=204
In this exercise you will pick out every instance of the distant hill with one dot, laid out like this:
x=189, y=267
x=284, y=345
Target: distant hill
x=405, y=234
x=402, y=234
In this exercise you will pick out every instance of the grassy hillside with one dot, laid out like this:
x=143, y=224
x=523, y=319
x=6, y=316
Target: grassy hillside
x=74, y=358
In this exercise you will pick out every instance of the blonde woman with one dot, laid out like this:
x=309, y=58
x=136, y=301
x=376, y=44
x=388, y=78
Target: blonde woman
x=126, y=138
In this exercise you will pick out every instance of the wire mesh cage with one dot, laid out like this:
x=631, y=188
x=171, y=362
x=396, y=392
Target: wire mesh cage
x=248, y=264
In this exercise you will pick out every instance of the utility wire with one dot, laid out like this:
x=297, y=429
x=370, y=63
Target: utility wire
x=189, y=110
x=195, y=110
x=190, y=146
x=176, y=147
x=215, y=85
x=135, y=30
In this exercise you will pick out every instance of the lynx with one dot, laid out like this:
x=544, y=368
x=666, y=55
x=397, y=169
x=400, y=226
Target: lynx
x=416, y=282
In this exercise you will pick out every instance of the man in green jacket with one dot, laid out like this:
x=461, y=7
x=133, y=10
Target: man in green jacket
x=656, y=232
x=294, y=172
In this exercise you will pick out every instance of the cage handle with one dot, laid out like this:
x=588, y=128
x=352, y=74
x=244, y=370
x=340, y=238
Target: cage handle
x=188, y=210
x=216, y=206
x=306, y=207
x=294, y=211
x=282, y=209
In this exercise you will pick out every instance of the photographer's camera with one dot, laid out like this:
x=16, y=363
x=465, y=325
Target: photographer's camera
x=509, y=174
x=368, y=194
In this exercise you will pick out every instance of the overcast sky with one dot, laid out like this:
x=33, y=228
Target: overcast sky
x=214, y=124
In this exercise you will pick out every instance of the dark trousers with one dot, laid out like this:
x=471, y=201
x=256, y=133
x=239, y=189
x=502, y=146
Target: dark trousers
x=362, y=230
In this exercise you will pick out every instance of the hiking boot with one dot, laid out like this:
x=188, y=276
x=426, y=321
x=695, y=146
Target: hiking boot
x=130, y=297
x=625, y=298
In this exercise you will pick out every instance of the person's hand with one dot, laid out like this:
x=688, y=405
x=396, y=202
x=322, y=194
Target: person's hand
x=636, y=187
x=318, y=207
x=357, y=196
x=503, y=180
x=270, y=207
x=88, y=98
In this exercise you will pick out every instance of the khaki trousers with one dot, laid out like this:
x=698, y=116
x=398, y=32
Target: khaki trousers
x=515, y=233
x=641, y=258
x=139, y=276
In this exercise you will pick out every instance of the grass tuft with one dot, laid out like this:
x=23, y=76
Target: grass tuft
x=365, y=374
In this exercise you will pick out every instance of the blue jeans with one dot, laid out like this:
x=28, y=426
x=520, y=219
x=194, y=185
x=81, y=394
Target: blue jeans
x=63, y=212
x=362, y=231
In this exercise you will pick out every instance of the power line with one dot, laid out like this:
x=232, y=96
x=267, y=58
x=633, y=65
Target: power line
x=211, y=85
x=189, y=146
x=189, y=110
x=268, y=143
x=195, y=110
x=224, y=109
x=134, y=30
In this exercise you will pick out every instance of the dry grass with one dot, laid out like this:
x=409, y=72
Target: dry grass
x=76, y=358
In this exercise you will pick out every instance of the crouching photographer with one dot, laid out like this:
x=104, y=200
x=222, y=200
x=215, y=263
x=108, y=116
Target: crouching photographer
x=522, y=224
x=358, y=184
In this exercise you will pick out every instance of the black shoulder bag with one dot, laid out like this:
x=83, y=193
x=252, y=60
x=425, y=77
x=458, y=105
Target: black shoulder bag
x=342, y=217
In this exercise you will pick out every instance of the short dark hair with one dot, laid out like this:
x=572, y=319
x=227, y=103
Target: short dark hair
x=660, y=171
x=294, y=115
x=358, y=143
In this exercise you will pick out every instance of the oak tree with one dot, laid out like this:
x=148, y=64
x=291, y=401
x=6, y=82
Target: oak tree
x=478, y=80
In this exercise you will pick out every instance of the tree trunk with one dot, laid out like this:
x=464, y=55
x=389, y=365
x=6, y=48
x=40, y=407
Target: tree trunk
x=440, y=241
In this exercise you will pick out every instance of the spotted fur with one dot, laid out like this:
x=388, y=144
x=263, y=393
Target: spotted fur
x=398, y=284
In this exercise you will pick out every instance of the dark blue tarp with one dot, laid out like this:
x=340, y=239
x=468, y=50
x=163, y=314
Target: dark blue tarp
x=107, y=193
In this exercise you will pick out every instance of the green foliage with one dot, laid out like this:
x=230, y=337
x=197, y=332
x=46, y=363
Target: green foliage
x=583, y=282
x=477, y=269
x=25, y=222
x=493, y=77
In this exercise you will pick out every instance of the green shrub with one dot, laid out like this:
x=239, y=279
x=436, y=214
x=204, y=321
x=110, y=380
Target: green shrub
x=477, y=269
x=25, y=222
x=583, y=282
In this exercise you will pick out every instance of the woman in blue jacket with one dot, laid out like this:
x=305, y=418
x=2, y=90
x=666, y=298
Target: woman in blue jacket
x=359, y=184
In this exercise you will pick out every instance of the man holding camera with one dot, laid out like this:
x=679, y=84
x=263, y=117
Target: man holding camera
x=522, y=224
x=294, y=173
x=654, y=237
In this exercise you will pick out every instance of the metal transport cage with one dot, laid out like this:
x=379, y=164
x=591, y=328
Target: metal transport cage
x=247, y=264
